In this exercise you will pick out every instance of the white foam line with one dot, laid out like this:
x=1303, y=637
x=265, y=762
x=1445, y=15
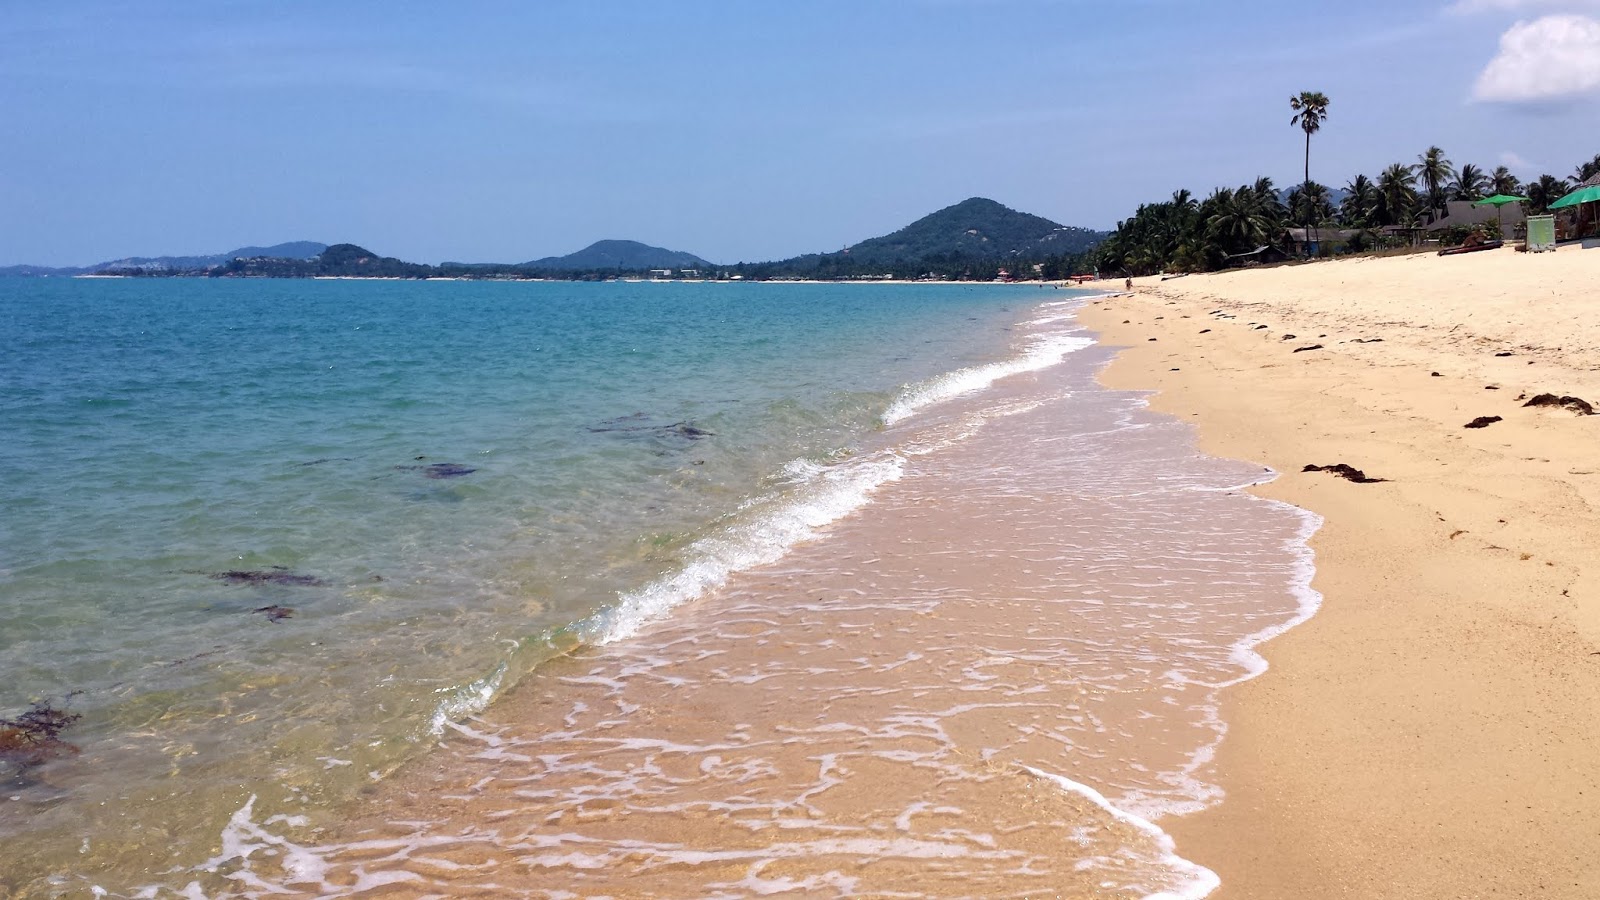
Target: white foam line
x=1042, y=353
x=833, y=493
x=1202, y=881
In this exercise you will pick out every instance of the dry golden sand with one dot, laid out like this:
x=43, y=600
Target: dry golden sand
x=1435, y=730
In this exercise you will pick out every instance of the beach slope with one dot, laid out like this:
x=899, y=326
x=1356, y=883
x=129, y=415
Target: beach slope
x=1433, y=731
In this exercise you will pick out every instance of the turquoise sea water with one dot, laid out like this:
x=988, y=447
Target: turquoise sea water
x=627, y=443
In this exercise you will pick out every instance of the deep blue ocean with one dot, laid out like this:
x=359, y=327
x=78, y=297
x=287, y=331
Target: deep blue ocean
x=275, y=532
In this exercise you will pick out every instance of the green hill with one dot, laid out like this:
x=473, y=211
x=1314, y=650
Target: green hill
x=623, y=256
x=977, y=229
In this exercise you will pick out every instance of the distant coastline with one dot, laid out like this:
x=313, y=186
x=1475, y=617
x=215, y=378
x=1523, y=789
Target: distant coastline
x=977, y=240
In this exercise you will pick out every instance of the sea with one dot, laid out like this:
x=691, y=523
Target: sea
x=331, y=588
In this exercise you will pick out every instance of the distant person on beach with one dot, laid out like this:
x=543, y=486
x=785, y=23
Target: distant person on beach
x=1128, y=284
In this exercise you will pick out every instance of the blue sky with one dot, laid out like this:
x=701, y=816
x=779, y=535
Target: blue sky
x=738, y=130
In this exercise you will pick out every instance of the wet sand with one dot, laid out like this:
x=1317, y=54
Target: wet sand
x=988, y=682
x=1432, y=732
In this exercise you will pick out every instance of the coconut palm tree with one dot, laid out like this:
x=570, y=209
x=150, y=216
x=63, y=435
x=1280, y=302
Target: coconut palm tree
x=1588, y=170
x=1237, y=221
x=1503, y=182
x=1360, y=202
x=1435, y=172
x=1310, y=109
x=1397, y=193
x=1547, y=190
x=1309, y=203
x=1470, y=184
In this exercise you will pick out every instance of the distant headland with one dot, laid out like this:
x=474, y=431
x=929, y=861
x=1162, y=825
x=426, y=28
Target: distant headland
x=977, y=239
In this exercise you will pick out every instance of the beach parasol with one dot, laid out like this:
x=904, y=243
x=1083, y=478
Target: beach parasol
x=1498, y=201
x=1589, y=194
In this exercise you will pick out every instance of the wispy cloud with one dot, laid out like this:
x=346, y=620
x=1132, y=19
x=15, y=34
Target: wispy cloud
x=1547, y=59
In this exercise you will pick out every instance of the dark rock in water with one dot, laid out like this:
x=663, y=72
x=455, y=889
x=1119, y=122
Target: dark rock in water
x=1576, y=404
x=690, y=431
x=1347, y=472
x=624, y=424
x=274, y=575
x=1308, y=347
x=34, y=737
x=1483, y=422
x=276, y=613
x=439, y=470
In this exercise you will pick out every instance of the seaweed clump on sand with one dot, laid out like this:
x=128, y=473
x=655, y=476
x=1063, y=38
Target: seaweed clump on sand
x=1347, y=472
x=1483, y=422
x=34, y=737
x=1577, y=404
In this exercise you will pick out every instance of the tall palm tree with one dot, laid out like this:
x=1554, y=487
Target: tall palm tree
x=1435, y=172
x=1310, y=109
x=1547, y=190
x=1503, y=182
x=1470, y=184
x=1397, y=191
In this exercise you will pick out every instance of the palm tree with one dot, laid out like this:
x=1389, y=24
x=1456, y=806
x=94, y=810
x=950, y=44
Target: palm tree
x=1470, y=184
x=1397, y=193
x=1503, y=182
x=1588, y=170
x=1435, y=172
x=1309, y=203
x=1310, y=109
x=1547, y=190
x=1360, y=201
x=1237, y=222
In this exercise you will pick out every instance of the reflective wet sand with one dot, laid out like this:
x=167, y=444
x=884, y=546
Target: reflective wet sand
x=995, y=680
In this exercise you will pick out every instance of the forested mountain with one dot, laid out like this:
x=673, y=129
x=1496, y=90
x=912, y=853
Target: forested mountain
x=620, y=256
x=290, y=250
x=338, y=261
x=979, y=229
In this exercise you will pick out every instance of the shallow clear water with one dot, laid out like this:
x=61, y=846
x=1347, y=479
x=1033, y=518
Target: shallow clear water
x=625, y=440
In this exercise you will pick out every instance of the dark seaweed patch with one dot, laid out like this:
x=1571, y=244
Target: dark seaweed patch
x=1483, y=422
x=1347, y=472
x=275, y=613
x=1576, y=404
x=34, y=737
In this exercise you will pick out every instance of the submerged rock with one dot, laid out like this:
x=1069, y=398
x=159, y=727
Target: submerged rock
x=275, y=613
x=275, y=575
x=440, y=470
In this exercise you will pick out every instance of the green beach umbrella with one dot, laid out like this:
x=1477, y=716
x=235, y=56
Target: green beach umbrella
x=1589, y=194
x=1498, y=201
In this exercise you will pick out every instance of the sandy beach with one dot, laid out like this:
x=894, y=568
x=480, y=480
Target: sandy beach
x=1432, y=731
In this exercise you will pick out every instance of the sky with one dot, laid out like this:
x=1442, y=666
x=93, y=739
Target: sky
x=739, y=130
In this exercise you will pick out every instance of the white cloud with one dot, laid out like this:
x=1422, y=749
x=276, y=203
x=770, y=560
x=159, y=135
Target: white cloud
x=1511, y=159
x=1549, y=58
x=1469, y=7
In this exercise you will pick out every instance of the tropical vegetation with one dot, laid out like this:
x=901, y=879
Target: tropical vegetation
x=1231, y=226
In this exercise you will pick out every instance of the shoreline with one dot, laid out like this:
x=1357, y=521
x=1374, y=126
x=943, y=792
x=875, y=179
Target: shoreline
x=1428, y=732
